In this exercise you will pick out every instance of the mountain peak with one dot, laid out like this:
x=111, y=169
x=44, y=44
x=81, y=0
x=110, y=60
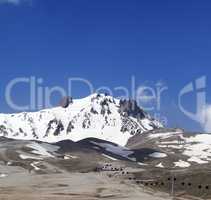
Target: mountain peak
x=98, y=115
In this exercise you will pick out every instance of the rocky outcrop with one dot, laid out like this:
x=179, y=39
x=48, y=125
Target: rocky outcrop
x=130, y=108
x=65, y=102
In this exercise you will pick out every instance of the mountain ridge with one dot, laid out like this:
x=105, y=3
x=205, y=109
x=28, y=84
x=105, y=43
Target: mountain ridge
x=98, y=115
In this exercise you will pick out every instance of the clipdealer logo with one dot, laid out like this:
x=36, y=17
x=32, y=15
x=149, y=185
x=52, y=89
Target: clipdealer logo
x=39, y=96
x=197, y=87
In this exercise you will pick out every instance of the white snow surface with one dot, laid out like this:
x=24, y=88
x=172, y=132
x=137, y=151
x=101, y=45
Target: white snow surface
x=165, y=135
x=43, y=149
x=25, y=157
x=3, y=175
x=142, y=164
x=182, y=164
x=83, y=117
x=158, y=155
x=115, y=149
x=109, y=157
x=68, y=157
x=34, y=165
x=197, y=160
x=160, y=165
x=197, y=148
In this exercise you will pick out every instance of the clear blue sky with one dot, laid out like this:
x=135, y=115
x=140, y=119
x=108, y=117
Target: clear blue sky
x=106, y=42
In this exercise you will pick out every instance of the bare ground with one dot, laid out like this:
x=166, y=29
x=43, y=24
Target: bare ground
x=20, y=184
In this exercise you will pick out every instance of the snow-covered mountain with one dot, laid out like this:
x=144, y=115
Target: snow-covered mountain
x=97, y=116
